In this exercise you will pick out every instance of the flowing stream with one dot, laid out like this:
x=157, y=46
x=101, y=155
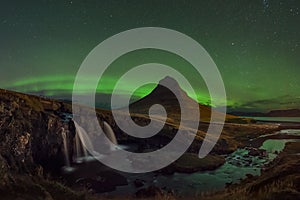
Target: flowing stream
x=238, y=166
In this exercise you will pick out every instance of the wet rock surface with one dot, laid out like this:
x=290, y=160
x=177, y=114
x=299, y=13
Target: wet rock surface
x=30, y=134
x=31, y=147
x=248, y=157
x=255, y=151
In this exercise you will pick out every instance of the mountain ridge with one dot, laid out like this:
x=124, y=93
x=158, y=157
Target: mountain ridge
x=271, y=113
x=165, y=97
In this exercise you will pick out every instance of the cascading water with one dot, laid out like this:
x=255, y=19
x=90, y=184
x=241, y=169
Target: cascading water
x=66, y=151
x=77, y=145
x=81, y=151
x=110, y=134
x=83, y=142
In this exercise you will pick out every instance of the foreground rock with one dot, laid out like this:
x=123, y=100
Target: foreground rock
x=31, y=146
x=31, y=133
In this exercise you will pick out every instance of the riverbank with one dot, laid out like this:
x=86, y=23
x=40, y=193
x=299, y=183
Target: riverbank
x=281, y=180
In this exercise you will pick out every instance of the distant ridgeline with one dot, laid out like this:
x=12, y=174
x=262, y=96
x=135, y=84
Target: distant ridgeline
x=272, y=113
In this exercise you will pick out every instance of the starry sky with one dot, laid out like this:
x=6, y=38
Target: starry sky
x=254, y=43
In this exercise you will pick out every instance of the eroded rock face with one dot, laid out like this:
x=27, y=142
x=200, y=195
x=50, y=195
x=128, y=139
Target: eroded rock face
x=30, y=136
x=47, y=142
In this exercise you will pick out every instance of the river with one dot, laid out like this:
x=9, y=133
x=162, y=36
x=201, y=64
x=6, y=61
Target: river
x=238, y=166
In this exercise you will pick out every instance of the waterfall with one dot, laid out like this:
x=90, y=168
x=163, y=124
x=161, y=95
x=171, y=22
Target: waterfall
x=66, y=151
x=79, y=146
x=82, y=142
x=110, y=134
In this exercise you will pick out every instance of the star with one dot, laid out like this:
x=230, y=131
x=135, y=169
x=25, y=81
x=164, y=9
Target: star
x=266, y=5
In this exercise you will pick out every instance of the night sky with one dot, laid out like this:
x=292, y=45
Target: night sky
x=254, y=43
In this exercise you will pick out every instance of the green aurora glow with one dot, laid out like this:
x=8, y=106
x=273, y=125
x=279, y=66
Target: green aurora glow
x=255, y=48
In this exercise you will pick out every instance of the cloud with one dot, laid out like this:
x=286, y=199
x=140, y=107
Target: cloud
x=281, y=102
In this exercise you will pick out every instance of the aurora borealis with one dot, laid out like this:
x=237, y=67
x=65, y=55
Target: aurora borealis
x=255, y=45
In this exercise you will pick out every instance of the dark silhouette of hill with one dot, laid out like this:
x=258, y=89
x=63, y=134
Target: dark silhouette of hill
x=165, y=97
x=272, y=113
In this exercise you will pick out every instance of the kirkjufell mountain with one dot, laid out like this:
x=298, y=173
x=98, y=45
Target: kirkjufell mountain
x=36, y=133
x=165, y=97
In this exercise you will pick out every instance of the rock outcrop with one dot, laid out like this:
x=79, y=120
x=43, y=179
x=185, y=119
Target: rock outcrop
x=31, y=147
x=30, y=133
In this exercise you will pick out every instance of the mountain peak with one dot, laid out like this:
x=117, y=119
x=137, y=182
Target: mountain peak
x=170, y=82
x=168, y=93
x=166, y=97
x=168, y=79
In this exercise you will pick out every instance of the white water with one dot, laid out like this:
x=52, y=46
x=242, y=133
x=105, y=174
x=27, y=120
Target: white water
x=78, y=145
x=110, y=134
x=81, y=151
x=66, y=151
x=82, y=143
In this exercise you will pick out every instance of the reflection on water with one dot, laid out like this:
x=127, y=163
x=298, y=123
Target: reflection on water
x=292, y=132
x=276, y=119
x=237, y=166
x=275, y=146
x=192, y=184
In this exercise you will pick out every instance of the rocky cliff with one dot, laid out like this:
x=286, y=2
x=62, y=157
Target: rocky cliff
x=30, y=133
